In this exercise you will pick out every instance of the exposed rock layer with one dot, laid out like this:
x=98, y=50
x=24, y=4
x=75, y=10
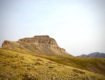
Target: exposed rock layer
x=40, y=44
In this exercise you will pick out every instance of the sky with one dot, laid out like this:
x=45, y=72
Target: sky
x=76, y=25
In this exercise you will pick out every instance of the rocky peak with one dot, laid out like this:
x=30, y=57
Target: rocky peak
x=10, y=44
x=41, y=40
x=5, y=43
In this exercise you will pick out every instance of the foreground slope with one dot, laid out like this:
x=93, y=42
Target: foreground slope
x=96, y=65
x=20, y=66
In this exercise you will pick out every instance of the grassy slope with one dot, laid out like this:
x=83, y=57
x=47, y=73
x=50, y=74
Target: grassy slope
x=92, y=64
x=96, y=65
x=19, y=66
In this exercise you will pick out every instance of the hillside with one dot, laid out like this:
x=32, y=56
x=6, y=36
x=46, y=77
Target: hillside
x=96, y=65
x=15, y=65
x=91, y=64
x=26, y=58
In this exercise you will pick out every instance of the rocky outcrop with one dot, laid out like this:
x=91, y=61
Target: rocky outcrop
x=40, y=44
x=10, y=44
x=44, y=41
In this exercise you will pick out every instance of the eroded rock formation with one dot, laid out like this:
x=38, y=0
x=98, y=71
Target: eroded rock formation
x=39, y=44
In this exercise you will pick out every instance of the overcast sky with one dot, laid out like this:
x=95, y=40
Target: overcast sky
x=76, y=25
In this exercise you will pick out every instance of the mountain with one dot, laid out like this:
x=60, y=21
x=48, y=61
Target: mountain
x=94, y=54
x=40, y=58
x=40, y=44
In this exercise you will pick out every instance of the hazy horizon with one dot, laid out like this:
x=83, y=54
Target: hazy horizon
x=76, y=25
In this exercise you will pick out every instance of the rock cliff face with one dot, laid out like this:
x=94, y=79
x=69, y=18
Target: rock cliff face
x=39, y=44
